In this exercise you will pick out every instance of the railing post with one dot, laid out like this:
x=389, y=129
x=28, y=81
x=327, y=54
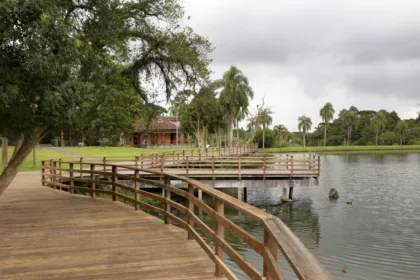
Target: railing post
x=191, y=208
x=187, y=165
x=51, y=173
x=71, y=174
x=220, y=232
x=136, y=186
x=161, y=162
x=92, y=178
x=136, y=161
x=291, y=166
x=60, y=172
x=271, y=246
x=114, y=180
x=239, y=169
x=81, y=167
x=319, y=165
x=54, y=178
x=167, y=182
x=141, y=161
x=264, y=166
x=104, y=162
x=212, y=168
x=43, y=173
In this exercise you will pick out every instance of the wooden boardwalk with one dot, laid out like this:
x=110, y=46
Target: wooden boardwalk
x=48, y=234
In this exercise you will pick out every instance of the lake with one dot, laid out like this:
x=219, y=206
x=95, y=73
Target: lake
x=375, y=237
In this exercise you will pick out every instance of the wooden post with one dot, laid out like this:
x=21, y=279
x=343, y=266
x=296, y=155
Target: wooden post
x=43, y=173
x=136, y=162
x=173, y=158
x=191, y=208
x=5, y=151
x=199, y=155
x=239, y=169
x=187, y=165
x=114, y=180
x=104, y=161
x=54, y=178
x=212, y=168
x=220, y=232
x=71, y=190
x=92, y=178
x=264, y=166
x=287, y=161
x=51, y=173
x=60, y=171
x=270, y=245
x=81, y=167
x=161, y=162
x=167, y=197
x=183, y=155
x=136, y=186
x=291, y=166
x=319, y=165
x=141, y=159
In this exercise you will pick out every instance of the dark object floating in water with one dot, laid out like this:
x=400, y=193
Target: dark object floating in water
x=349, y=202
x=333, y=195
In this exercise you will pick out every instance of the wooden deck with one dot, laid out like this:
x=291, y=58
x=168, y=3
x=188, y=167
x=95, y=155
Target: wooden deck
x=48, y=234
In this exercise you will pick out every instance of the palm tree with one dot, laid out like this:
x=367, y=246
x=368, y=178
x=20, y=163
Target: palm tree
x=351, y=120
x=305, y=124
x=327, y=114
x=401, y=128
x=378, y=123
x=234, y=96
x=265, y=118
x=280, y=130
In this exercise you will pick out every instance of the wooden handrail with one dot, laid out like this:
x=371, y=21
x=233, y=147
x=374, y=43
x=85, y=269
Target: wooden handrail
x=277, y=236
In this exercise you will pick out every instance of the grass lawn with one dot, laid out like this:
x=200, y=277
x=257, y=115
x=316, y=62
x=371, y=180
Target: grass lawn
x=41, y=154
x=116, y=151
x=331, y=149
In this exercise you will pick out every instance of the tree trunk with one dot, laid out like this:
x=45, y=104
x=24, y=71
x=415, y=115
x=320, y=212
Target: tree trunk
x=304, y=140
x=230, y=131
x=12, y=169
x=4, y=152
x=237, y=131
x=18, y=145
x=401, y=140
x=62, y=139
x=263, y=146
x=325, y=133
x=376, y=141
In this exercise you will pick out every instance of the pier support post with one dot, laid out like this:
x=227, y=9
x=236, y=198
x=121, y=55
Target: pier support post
x=291, y=184
x=240, y=193
x=245, y=194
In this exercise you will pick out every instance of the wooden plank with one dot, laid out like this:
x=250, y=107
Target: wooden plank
x=220, y=233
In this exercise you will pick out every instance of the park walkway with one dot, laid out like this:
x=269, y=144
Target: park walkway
x=48, y=234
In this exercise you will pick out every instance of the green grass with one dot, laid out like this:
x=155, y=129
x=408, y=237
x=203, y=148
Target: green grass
x=41, y=154
x=333, y=149
x=117, y=151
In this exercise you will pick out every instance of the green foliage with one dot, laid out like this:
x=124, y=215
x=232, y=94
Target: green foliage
x=270, y=138
x=333, y=194
x=86, y=67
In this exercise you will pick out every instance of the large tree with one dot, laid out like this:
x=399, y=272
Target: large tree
x=86, y=65
x=280, y=130
x=327, y=114
x=401, y=129
x=234, y=96
x=351, y=120
x=378, y=123
x=265, y=118
x=305, y=124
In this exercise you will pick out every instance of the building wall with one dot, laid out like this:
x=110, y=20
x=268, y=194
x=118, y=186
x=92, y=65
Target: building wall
x=136, y=139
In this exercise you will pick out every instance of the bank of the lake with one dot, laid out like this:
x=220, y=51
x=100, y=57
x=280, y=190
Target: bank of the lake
x=331, y=149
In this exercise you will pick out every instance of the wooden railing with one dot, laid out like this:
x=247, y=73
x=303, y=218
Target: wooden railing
x=216, y=161
x=90, y=178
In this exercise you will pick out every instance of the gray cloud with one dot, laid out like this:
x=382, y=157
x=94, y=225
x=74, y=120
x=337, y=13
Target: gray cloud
x=360, y=47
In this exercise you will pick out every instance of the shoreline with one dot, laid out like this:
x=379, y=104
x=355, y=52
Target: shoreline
x=341, y=149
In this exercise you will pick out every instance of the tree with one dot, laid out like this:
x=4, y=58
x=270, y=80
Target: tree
x=378, y=123
x=234, y=96
x=304, y=124
x=280, y=130
x=265, y=118
x=351, y=120
x=86, y=66
x=327, y=114
x=401, y=129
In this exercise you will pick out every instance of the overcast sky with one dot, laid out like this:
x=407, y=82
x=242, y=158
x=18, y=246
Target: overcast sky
x=301, y=54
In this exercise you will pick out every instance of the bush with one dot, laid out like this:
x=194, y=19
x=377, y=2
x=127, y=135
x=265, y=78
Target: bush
x=269, y=138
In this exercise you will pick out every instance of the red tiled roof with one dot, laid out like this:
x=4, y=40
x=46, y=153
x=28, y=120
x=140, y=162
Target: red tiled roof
x=160, y=123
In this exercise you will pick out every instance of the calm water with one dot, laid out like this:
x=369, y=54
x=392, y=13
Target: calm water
x=376, y=237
